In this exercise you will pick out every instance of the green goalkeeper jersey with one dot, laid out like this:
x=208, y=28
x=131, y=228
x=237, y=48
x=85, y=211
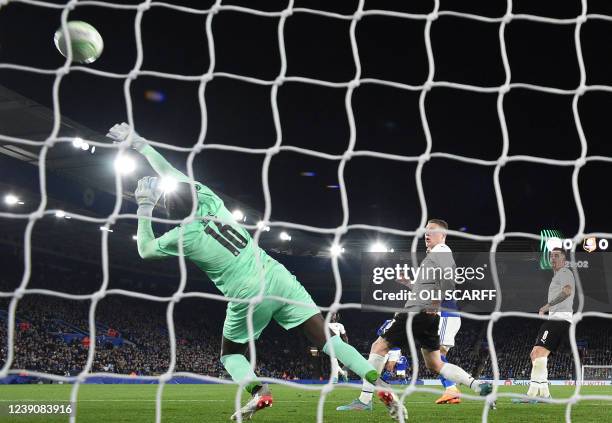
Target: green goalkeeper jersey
x=224, y=249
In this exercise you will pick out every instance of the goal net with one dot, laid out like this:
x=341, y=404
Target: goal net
x=349, y=87
x=596, y=375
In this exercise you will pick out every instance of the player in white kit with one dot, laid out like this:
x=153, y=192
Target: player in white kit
x=555, y=330
x=338, y=329
x=425, y=326
x=450, y=323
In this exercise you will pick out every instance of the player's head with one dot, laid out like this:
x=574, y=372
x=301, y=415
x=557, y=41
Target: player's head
x=178, y=202
x=436, y=232
x=335, y=317
x=557, y=258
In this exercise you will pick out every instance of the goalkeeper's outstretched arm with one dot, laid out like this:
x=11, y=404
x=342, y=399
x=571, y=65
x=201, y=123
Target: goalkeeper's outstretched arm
x=120, y=132
x=145, y=239
x=147, y=194
x=161, y=165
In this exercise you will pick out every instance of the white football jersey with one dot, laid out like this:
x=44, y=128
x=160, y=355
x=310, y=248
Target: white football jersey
x=337, y=328
x=439, y=257
x=563, y=310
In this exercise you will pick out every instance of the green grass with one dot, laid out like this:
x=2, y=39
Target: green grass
x=214, y=403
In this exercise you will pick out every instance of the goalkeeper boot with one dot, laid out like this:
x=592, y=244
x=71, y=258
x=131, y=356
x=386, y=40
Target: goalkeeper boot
x=393, y=404
x=356, y=405
x=262, y=399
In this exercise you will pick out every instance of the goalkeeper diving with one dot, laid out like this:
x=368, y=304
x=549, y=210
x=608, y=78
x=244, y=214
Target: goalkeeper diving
x=226, y=252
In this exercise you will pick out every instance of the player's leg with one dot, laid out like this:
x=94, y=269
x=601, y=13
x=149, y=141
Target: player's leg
x=394, y=335
x=314, y=328
x=335, y=369
x=344, y=374
x=233, y=358
x=425, y=329
x=551, y=335
x=538, y=382
x=377, y=359
x=307, y=316
x=448, y=328
x=451, y=392
x=309, y=319
x=378, y=352
x=391, y=360
x=452, y=372
x=443, y=351
x=234, y=346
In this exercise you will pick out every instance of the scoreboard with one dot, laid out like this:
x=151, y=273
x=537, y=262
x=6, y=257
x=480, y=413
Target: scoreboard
x=553, y=238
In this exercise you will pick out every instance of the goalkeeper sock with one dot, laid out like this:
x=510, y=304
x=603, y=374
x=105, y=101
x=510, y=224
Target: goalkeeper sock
x=239, y=369
x=445, y=382
x=458, y=375
x=378, y=362
x=351, y=358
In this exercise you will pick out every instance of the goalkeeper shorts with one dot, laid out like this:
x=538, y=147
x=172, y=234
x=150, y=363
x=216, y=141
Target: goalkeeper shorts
x=279, y=283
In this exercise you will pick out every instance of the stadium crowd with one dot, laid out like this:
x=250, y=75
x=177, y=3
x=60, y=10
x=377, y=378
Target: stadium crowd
x=145, y=349
x=43, y=320
x=140, y=341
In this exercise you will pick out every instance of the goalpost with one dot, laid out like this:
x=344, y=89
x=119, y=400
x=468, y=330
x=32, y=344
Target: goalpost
x=596, y=374
x=338, y=232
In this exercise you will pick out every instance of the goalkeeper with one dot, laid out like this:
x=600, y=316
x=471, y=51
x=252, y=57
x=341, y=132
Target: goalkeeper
x=226, y=252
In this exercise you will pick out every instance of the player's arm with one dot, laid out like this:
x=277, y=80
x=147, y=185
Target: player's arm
x=147, y=194
x=565, y=293
x=120, y=133
x=147, y=248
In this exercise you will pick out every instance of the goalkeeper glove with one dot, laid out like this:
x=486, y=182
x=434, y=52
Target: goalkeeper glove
x=147, y=194
x=119, y=133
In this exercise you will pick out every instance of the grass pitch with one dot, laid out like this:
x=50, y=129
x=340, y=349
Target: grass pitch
x=215, y=403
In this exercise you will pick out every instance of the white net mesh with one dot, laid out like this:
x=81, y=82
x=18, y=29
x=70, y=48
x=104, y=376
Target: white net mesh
x=595, y=373
x=350, y=152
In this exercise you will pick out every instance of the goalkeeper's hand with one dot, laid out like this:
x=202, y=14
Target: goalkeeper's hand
x=119, y=133
x=147, y=195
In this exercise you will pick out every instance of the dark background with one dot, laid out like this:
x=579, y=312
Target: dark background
x=67, y=255
x=380, y=192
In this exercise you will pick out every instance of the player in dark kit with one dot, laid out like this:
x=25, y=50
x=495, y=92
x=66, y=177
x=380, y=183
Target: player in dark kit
x=425, y=323
x=556, y=329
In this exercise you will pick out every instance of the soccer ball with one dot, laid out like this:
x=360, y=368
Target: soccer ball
x=86, y=41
